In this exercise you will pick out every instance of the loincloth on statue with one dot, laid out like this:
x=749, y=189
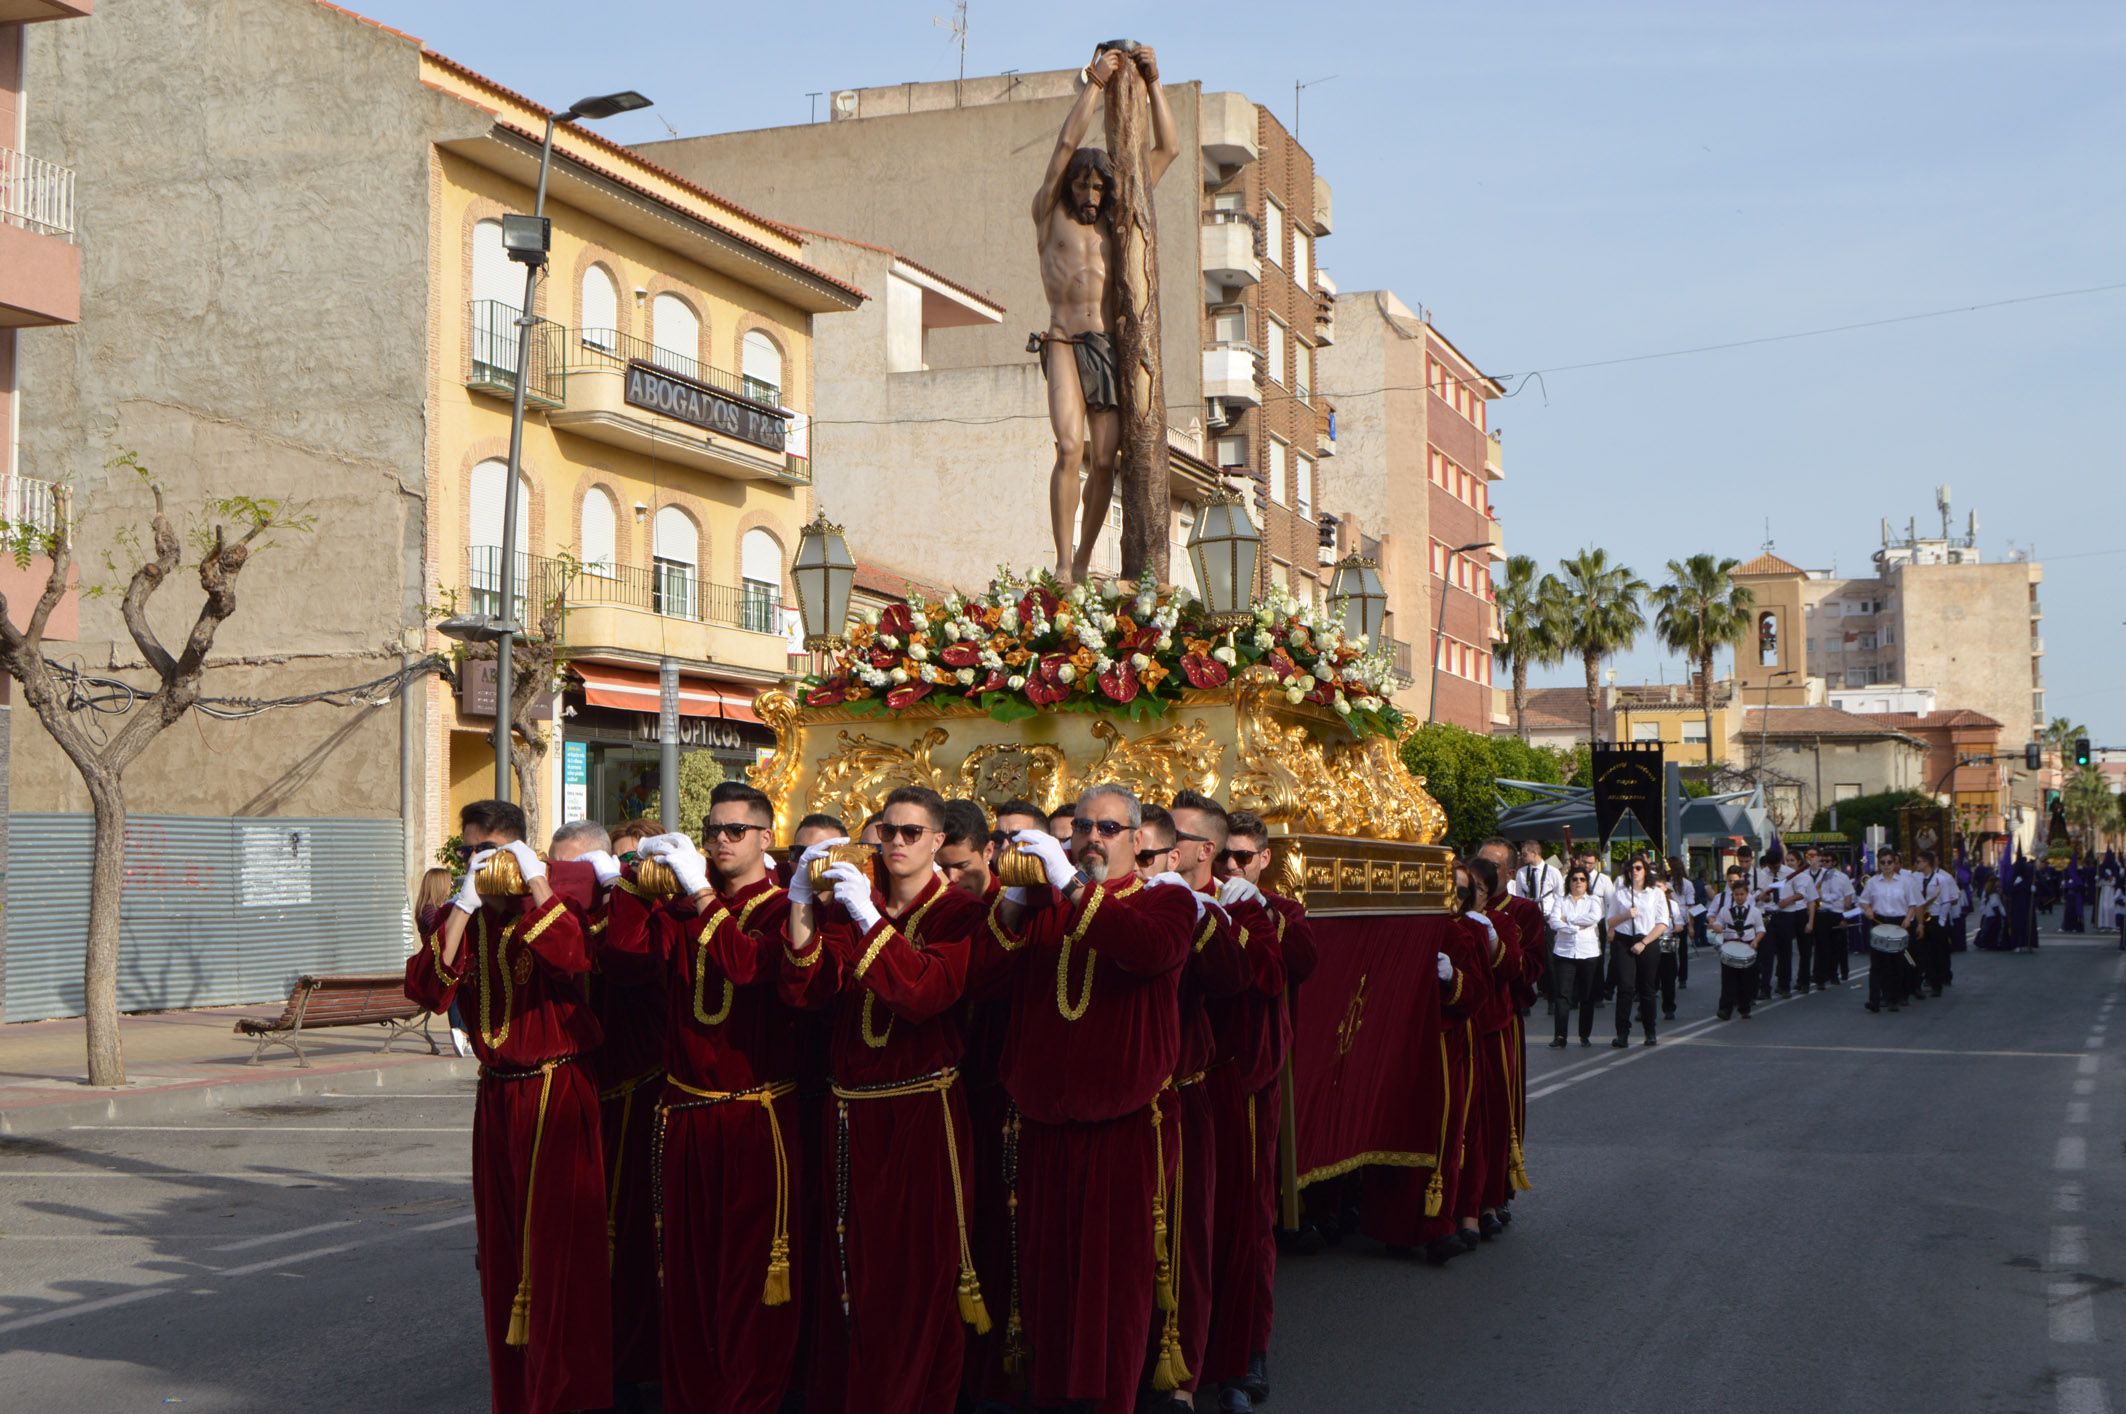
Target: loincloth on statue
x=1099, y=373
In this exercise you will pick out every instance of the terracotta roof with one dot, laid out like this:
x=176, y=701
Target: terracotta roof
x=1552, y=709
x=1769, y=563
x=891, y=584
x=1936, y=721
x=1821, y=721
x=992, y=301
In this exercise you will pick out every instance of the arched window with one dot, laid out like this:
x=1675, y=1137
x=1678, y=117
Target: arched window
x=600, y=532
x=760, y=581
x=490, y=480
x=761, y=363
x=675, y=550
x=675, y=330
x=599, y=318
x=497, y=286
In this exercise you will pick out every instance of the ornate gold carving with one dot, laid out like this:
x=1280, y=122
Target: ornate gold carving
x=1358, y=788
x=1288, y=868
x=853, y=782
x=1358, y=876
x=1157, y=765
x=776, y=777
x=1006, y=770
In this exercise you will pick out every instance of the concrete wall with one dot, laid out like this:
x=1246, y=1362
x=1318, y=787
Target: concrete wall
x=1821, y=767
x=253, y=184
x=1966, y=631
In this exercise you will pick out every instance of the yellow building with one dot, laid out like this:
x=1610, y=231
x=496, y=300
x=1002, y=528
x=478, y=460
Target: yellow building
x=1671, y=716
x=665, y=469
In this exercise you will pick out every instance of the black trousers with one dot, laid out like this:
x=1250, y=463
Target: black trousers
x=1637, y=980
x=1890, y=978
x=1683, y=956
x=1775, y=955
x=1934, y=953
x=1576, y=985
x=1666, y=973
x=1738, y=989
x=1829, y=946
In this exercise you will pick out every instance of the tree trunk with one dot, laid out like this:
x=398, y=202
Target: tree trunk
x=1143, y=474
x=99, y=959
x=1594, y=694
x=1520, y=699
x=1705, y=704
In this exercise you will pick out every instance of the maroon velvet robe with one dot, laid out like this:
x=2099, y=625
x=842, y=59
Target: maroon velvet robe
x=1217, y=972
x=1296, y=940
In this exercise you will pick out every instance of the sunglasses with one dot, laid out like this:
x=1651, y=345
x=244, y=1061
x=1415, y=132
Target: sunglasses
x=1240, y=858
x=906, y=834
x=1108, y=828
x=732, y=831
x=463, y=851
x=1146, y=856
x=1184, y=837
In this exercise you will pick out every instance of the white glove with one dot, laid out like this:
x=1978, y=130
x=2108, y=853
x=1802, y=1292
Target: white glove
x=468, y=896
x=1485, y=923
x=1054, y=857
x=661, y=844
x=1237, y=890
x=603, y=864
x=528, y=861
x=1446, y=968
x=685, y=861
x=801, y=872
x=1017, y=893
x=853, y=892
x=1169, y=877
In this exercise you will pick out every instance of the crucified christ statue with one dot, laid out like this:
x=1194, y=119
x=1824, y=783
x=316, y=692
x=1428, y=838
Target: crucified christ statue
x=1075, y=224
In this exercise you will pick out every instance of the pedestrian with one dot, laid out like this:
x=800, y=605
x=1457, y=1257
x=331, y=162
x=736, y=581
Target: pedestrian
x=1575, y=956
x=1992, y=916
x=1740, y=926
x=1638, y=916
x=1892, y=908
x=1940, y=900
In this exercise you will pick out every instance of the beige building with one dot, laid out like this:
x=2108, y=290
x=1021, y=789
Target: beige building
x=1814, y=757
x=945, y=173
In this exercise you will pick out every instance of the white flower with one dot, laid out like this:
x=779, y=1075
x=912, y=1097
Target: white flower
x=872, y=677
x=919, y=620
x=1139, y=661
x=1166, y=641
x=1262, y=641
x=1008, y=621
x=869, y=616
x=1224, y=653
x=1306, y=683
x=1103, y=664
x=966, y=677
x=1343, y=705
x=1067, y=673
x=1294, y=696
x=898, y=676
x=1110, y=591
x=1143, y=607
x=887, y=640
x=1015, y=681
x=991, y=659
x=919, y=652
x=1370, y=703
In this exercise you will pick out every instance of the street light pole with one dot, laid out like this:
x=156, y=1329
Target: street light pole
x=603, y=106
x=1439, y=627
x=1764, y=724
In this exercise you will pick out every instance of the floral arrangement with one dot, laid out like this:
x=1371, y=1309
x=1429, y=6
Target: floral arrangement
x=1025, y=647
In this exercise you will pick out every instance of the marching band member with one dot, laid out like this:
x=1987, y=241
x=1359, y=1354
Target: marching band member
x=1638, y=916
x=1892, y=908
x=1740, y=926
x=1942, y=900
x=1575, y=956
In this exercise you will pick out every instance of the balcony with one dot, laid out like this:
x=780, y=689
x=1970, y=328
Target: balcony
x=664, y=608
x=1230, y=257
x=1324, y=308
x=35, y=504
x=1324, y=430
x=1229, y=373
x=491, y=350
x=1324, y=206
x=2037, y=647
x=35, y=194
x=40, y=268
x=629, y=393
x=1228, y=132
x=1405, y=660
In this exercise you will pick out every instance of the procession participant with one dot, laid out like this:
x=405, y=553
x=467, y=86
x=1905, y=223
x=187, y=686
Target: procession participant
x=1764, y=885
x=1534, y=877
x=1244, y=1022
x=1575, y=957
x=538, y=1177
x=627, y=1068
x=1095, y=1031
x=1016, y=815
x=1791, y=905
x=1739, y=923
x=1601, y=884
x=629, y=834
x=1940, y=900
x=1891, y=906
x=1992, y=916
x=1798, y=900
x=1637, y=919
x=1247, y=856
x=1528, y=942
x=891, y=959
x=1836, y=906
x=810, y=831
x=1495, y=1120
x=1485, y=1145
x=728, y=1139
x=1061, y=821
x=967, y=851
x=1668, y=971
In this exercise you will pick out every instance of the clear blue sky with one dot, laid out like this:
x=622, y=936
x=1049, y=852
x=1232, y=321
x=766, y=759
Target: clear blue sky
x=1565, y=183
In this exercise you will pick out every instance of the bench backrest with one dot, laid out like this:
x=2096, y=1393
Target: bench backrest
x=342, y=998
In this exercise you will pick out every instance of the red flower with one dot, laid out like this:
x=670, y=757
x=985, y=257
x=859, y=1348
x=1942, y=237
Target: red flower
x=907, y=695
x=884, y=658
x=1120, y=681
x=991, y=683
x=1202, y=670
x=1047, y=602
x=1041, y=692
x=1280, y=662
x=827, y=694
x=959, y=655
x=1050, y=669
x=897, y=620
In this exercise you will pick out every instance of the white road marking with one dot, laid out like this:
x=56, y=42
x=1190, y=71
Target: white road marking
x=2094, y=1042
x=2077, y=1112
x=1881, y=1050
x=2085, y=1086
x=2082, y=1394
x=2072, y=1155
x=2071, y=1318
x=2087, y=1065
x=84, y=1308
x=290, y=1259
x=2067, y=1198
x=1574, y=1073
x=2070, y=1246
x=287, y=1236
x=399, y=1095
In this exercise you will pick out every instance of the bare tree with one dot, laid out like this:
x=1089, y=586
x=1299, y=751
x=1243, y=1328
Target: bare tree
x=102, y=762
x=541, y=660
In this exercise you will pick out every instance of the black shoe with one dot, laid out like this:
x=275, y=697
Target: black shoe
x=1620, y=1043
x=1488, y=1226
x=1726, y=1013
x=1764, y=996
x=1668, y=1014
x=1506, y=1217
x=1893, y=1006
x=1871, y=1006
x=1558, y=1045
x=1937, y=991
x=1587, y=1042
x=1650, y=1040
x=1785, y=992
x=1745, y=1013
x=1257, y=1380
x=1469, y=1237
x=1442, y=1250
x=1171, y=1404
x=1234, y=1400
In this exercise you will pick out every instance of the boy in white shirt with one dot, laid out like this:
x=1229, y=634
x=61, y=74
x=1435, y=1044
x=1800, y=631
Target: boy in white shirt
x=1889, y=900
x=1739, y=924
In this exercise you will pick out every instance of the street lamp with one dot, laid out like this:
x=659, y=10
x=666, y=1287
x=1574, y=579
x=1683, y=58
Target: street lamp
x=1764, y=722
x=1439, y=627
x=527, y=239
x=1356, y=590
x=1224, y=547
x=824, y=573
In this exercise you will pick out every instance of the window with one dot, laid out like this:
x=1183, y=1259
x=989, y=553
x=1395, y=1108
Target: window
x=485, y=496
x=1277, y=456
x=1303, y=485
x=675, y=550
x=1845, y=790
x=1281, y=574
x=1645, y=731
x=1273, y=231
x=1229, y=325
x=599, y=316
x=1302, y=369
x=1832, y=608
x=1694, y=733
x=1301, y=258
x=760, y=362
x=600, y=533
x=1768, y=640
x=675, y=330
x=1231, y=451
x=1273, y=348
x=760, y=581
x=1229, y=201
x=497, y=286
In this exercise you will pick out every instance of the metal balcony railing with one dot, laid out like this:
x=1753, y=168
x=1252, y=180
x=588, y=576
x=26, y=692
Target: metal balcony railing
x=35, y=194
x=664, y=588
x=1405, y=658
x=491, y=354
x=34, y=503
x=609, y=348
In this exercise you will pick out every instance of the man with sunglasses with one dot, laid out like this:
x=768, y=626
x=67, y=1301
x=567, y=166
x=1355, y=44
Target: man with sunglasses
x=518, y=964
x=889, y=954
x=1095, y=962
x=1016, y=815
x=728, y=1136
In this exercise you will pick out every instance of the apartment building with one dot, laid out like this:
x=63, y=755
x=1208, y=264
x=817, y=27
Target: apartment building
x=1416, y=466
x=946, y=173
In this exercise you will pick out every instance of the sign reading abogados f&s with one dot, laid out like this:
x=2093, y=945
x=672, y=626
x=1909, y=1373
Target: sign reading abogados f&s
x=672, y=396
x=1627, y=781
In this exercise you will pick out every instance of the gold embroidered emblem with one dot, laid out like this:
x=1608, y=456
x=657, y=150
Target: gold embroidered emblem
x=1354, y=1017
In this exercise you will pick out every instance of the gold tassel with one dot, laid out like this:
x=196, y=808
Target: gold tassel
x=972, y=1308
x=1170, y=1371
x=776, y=1290
x=1163, y=1285
x=1435, y=1194
x=1014, y=1345
x=1518, y=1168
x=520, y=1316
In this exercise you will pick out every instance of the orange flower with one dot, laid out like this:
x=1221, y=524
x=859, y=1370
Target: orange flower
x=1151, y=675
x=1083, y=660
x=1017, y=656
x=1199, y=646
x=859, y=693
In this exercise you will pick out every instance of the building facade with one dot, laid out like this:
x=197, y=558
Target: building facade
x=1810, y=758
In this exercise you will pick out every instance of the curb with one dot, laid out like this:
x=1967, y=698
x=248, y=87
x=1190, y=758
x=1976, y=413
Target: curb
x=192, y=1100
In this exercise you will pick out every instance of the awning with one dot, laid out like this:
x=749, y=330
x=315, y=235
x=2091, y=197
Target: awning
x=636, y=690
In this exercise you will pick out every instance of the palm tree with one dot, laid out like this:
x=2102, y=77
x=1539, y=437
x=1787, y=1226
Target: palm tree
x=1602, y=616
x=1531, y=629
x=2089, y=802
x=2059, y=738
x=1701, y=610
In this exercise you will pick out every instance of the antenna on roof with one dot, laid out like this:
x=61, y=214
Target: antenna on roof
x=1767, y=535
x=815, y=95
x=958, y=26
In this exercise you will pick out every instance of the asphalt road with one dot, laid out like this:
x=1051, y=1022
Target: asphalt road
x=1818, y=1209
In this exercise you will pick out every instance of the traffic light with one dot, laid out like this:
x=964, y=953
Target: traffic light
x=2081, y=751
x=2033, y=756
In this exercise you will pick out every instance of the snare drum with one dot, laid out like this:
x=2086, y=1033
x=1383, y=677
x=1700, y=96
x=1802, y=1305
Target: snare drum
x=1737, y=955
x=1888, y=937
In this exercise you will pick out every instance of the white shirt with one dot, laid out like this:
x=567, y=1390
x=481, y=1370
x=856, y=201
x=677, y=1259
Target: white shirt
x=1834, y=891
x=1796, y=890
x=1941, y=895
x=1602, y=886
x=1720, y=918
x=1540, y=882
x=1572, y=926
x=1638, y=913
x=1765, y=886
x=1890, y=898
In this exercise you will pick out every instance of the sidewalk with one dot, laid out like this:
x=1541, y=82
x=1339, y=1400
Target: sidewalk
x=186, y=1062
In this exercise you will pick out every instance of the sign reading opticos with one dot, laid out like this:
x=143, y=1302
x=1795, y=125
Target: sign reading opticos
x=669, y=395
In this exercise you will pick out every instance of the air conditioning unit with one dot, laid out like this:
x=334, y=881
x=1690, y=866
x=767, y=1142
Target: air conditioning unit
x=1218, y=415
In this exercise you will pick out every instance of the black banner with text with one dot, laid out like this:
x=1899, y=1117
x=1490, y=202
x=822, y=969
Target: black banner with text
x=1627, y=781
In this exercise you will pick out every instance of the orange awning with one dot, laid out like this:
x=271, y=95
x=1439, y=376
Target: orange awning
x=634, y=690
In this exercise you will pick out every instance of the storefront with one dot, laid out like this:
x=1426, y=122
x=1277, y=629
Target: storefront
x=609, y=752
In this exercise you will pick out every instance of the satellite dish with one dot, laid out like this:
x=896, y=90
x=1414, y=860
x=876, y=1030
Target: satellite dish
x=845, y=103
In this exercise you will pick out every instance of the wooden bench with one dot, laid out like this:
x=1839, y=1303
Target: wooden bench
x=317, y=1002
